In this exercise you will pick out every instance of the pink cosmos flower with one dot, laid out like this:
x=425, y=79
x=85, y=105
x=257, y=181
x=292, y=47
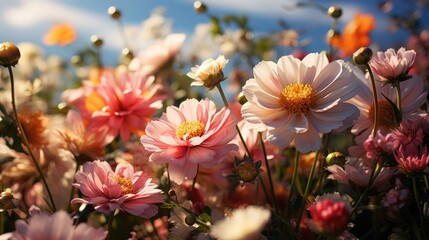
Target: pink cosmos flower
x=412, y=159
x=356, y=173
x=410, y=133
x=391, y=65
x=413, y=96
x=121, y=106
x=330, y=214
x=378, y=147
x=123, y=189
x=191, y=134
x=159, y=54
x=56, y=226
x=298, y=100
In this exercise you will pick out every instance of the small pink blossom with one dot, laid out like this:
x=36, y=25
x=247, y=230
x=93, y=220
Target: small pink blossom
x=157, y=55
x=392, y=65
x=378, y=148
x=410, y=133
x=396, y=198
x=56, y=226
x=356, y=172
x=330, y=214
x=124, y=189
x=412, y=160
x=191, y=134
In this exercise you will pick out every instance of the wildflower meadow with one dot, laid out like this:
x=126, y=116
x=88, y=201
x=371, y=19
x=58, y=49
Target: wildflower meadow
x=226, y=133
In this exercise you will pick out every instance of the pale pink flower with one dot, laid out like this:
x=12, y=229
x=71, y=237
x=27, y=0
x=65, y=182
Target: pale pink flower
x=299, y=100
x=152, y=59
x=330, y=214
x=412, y=159
x=191, y=134
x=413, y=96
x=123, y=189
x=378, y=148
x=121, y=106
x=393, y=66
x=396, y=198
x=209, y=73
x=56, y=226
x=356, y=173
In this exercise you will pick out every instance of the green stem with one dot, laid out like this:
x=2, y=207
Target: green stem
x=273, y=194
x=193, y=183
x=398, y=97
x=307, y=189
x=292, y=184
x=374, y=93
x=416, y=197
x=374, y=173
x=109, y=225
x=25, y=140
x=225, y=102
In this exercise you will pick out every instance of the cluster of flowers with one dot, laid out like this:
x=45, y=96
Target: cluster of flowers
x=312, y=148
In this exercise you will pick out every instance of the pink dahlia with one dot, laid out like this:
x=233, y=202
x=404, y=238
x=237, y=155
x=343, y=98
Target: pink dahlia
x=356, y=173
x=56, y=226
x=393, y=66
x=191, y=134
x=412, y=159
x=330, y=214
x=410, y=133
x=298, y=100
x=124, y=189
x=121, y=106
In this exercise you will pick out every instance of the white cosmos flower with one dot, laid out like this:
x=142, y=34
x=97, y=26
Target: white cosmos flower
x=209, y=73
x=243, y=224
x=298, y=100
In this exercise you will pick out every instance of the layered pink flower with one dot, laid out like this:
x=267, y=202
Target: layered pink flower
x=413, y=96
x=123, y=189
x=56, y=226
x=411, y=133
x=356, y=173
x=392, y=65
x=157, y=55
x=191, y=134
x=412, y=159
x=330, y=214
x=121, y=106
x=298, y=100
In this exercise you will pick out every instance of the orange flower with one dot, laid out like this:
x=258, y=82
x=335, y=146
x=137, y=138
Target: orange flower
x=34, y=125
x=355, y=34
x=61, y=34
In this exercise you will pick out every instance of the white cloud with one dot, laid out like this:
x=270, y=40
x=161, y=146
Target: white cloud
x=23, y=15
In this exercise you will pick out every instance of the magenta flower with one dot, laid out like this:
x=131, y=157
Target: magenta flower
x=124, y=189
x=56, y=226
x=330, y=214
x=191, y=134
x=412, y=159
x=393, y=66
x=121, y=106
x=410, y=133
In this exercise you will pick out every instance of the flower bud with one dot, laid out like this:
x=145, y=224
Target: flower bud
x=336, y=158
x=171, y=193
x=200, y=7
x=241, y=98
x=7, y=201
x=76, y=60
x=127, y=53
x=114, y=12
x=9, y=54
x=209, y=74
x=362, y=56
x=335, y=11
x=190, y=220
x=96, y=41
x=332, y=33
x=247, y=171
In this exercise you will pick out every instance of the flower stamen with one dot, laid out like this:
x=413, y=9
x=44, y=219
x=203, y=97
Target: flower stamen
x=297, y=98
x=126, y=184
x=190, y=129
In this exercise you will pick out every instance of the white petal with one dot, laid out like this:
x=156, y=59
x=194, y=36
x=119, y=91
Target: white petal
x=288, y=70
x=266, y=77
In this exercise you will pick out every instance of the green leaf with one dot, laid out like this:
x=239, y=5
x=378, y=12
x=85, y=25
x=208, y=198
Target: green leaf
x=398, y=115
x=205, y=217
x=168, y=205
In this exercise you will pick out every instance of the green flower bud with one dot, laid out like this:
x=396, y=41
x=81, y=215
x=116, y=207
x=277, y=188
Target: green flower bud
x=200, y=7
x=241, y=98
x=336, y=158
x=362, y=56
x=335, y=11
x=190, y=220
x=96, y=41
x=114, y=12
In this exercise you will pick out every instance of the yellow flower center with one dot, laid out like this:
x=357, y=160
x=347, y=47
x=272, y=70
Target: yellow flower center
x=297, y=98
x=386, y=114
x=126, y=184
x=193, y=129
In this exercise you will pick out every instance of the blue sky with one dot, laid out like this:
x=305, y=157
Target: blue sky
x=28, y=21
